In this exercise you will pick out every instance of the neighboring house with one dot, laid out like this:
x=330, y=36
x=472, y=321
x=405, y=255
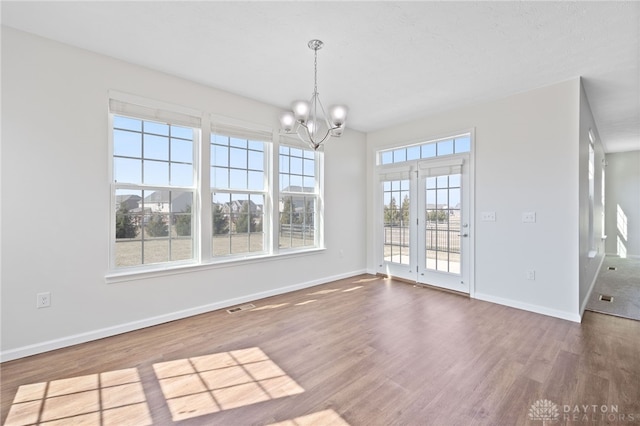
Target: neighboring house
x=159, y=202
x=235, y=207
x=130, y=201
x=297, y=201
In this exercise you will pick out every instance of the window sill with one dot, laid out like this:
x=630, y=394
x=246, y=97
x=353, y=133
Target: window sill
x=162, y=271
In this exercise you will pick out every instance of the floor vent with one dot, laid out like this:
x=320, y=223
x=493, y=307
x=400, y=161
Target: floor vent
x=612, y=268
x=606, y=298
x=246, y=307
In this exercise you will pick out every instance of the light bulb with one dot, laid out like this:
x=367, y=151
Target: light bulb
x=301, y=111
x=338, y=114
x=287, y=120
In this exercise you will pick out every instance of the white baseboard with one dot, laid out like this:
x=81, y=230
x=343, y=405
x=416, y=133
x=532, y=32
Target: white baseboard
x=630, y=256
x=75, y=339
x=529, y=307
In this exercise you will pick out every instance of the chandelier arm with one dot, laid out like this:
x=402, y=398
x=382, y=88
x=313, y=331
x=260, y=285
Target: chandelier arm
x=311, y=140
x=324, y=113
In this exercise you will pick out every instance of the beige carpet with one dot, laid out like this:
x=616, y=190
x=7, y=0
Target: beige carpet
x=623, y=284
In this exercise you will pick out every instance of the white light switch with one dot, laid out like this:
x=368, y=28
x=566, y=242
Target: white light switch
x=528, y=217
x=488, y=216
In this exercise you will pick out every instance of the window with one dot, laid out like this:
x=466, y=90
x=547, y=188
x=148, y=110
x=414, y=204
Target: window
x=153, y=180
x=592, y=175
x=238, y=193
x=299, y=198
x=437, y=148
x=602, y=199
x=191, y=191
x=396, y=221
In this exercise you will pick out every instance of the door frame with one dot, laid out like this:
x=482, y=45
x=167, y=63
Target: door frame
x=404, y=171
x=410, y=169
x=442, y=166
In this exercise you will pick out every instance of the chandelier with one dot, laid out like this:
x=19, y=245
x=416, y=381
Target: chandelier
x=308, y=119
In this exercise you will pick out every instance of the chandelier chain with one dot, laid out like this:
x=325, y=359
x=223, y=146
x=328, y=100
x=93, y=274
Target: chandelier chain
x=315, y=71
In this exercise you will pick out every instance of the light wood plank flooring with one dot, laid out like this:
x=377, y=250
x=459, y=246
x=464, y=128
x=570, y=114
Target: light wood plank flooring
x=359, y=351
x=619, y=278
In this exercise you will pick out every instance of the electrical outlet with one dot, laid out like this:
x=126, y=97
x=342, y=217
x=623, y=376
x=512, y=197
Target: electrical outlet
x=530, y=274
x=529, y=217
x=43, y=300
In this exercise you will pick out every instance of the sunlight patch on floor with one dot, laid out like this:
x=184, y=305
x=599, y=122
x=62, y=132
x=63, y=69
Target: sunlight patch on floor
x=331, y=290
x=324, y=418
x=262, y=308
x=110, y=398
x=203, y=385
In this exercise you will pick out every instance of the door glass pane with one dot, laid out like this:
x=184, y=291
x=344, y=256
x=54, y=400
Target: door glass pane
x=396, y=221
x=442, y=219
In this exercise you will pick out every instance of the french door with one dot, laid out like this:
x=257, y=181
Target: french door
x=426, y=223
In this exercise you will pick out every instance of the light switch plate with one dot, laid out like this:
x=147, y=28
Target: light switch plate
x=488, y=216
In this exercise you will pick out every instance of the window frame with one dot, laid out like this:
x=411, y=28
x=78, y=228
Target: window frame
x=422, y=146
x=264, y=192
x=317, y=194
x=139, y=108
x=144, y=110
x=591, y=178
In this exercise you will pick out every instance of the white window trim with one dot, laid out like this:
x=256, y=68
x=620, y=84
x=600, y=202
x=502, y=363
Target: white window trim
x=319, y=241
x=424, y=141
x=174, y=269
x=230, y=127
x=127, y=105
x=155, y=110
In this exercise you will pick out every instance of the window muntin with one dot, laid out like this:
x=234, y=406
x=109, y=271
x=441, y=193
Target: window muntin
x=438, y=148
x=237, y=223
x=153, y=146
x=396, y=209
x=299, y=193
x=151, y=153
x=154, y=191
x=297, y=221
x=237, y=163
x=238, y=194
x=442, y=219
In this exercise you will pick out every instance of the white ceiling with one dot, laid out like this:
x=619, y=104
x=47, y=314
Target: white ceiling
x=388, y=61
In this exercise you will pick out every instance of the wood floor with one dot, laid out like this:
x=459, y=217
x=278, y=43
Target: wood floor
x=360, y=351
x=619, y=278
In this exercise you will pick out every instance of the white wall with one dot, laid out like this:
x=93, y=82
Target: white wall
x=55, y=157
x=589, y=265
x=622, y=188
x=526, y=159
